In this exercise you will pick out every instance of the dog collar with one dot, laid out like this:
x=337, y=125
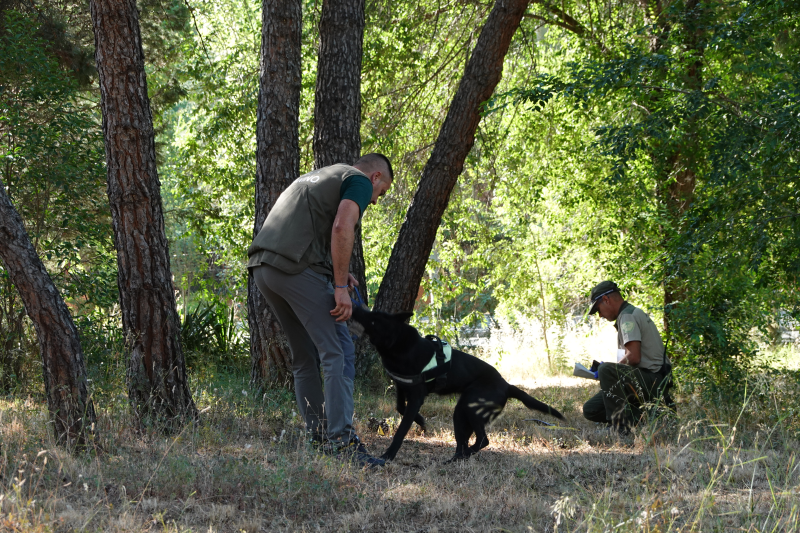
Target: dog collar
x=436, y=369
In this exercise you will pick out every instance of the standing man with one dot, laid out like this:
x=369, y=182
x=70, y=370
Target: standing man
x=300, y=262
x=642, y=370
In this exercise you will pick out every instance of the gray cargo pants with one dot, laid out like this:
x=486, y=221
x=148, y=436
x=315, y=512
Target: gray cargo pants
x=303, y=302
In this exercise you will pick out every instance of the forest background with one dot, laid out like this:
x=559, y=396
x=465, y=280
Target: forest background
x=650, y=144
x=653, y=143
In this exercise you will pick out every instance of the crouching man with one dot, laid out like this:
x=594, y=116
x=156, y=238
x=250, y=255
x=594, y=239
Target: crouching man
x=642, y=372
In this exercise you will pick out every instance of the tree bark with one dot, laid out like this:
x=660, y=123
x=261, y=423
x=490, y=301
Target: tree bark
x=277, y=165
x=410, y=254
x=337, y=103
x=63, y=367
x=156, y=371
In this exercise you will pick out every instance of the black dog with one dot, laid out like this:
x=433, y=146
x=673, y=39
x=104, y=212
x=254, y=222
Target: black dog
x=405, y=354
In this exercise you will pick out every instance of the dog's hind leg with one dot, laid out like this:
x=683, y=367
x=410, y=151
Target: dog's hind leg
x=462, y=430
x=481, y=440
x=401, y=408
x=479, y=422
x=483, y=407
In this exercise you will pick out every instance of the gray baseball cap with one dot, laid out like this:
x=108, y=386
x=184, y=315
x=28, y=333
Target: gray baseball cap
x=600, y=290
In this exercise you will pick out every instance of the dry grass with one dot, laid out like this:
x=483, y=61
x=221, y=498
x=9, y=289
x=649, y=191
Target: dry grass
x=246, y=468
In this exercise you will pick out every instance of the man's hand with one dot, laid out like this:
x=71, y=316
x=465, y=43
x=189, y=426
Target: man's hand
x=343, y=302
x=342, y=238
x=344, y=307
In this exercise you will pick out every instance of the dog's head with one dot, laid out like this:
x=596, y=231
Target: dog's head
x=389, y=333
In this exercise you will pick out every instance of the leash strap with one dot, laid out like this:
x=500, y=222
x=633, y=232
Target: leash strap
x=355, y=297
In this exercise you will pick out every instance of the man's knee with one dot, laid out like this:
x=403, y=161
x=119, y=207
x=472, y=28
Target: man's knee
x=305, y=371
x=593, y=415
x=594, y=409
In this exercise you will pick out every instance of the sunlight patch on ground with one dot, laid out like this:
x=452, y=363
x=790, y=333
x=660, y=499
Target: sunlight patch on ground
x=781, y=356
x=520, y=352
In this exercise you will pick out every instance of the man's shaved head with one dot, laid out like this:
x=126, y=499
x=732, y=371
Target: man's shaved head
x=375, y=162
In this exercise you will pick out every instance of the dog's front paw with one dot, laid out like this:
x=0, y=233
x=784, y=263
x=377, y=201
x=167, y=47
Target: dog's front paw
x=386, y=457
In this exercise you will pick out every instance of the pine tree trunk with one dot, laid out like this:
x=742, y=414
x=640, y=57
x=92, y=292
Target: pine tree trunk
x=156, y=371
x=277, y=165
x=406, y=266
x=63, y=367
x=337, y=104
x=337, y=117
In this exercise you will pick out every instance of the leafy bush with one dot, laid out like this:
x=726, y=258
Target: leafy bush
x=212, y=334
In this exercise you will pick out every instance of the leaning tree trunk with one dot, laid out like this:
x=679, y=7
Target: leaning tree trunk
x=406, y=266
x=337, y=103
x=64, y=371
x=277, y=165
x=156, y=371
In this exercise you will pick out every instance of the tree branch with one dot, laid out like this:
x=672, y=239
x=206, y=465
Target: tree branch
x=566, y=21
x=569, y=23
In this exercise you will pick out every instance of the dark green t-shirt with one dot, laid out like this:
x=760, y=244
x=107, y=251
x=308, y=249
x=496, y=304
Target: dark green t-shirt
x=358, y=189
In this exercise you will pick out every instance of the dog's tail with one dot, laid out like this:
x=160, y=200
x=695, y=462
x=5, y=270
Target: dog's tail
x=531, y=402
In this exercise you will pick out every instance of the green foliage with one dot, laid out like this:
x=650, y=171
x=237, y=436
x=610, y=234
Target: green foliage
x=51, y=149
x=208, y=149
x=716, y=103
x=211, y=335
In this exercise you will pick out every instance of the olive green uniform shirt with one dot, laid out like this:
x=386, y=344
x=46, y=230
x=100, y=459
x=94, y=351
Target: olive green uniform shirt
x=633, y=324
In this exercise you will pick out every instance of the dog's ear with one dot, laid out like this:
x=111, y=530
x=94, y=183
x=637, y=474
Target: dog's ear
x=402, y=317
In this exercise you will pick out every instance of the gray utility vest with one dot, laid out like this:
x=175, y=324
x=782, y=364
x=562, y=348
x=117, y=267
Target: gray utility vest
x=297, y=232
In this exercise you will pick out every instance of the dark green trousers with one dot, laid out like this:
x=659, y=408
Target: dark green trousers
x=623, y=391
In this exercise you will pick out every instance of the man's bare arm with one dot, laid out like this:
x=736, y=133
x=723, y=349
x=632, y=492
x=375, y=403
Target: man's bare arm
x=633, y=353
x=342, y=238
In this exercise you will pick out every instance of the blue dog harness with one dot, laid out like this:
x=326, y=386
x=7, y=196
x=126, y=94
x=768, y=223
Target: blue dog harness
x=436, y=369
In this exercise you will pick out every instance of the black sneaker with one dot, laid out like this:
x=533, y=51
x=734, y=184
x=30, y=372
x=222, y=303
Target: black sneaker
x=355, y=452
x=319, y=443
